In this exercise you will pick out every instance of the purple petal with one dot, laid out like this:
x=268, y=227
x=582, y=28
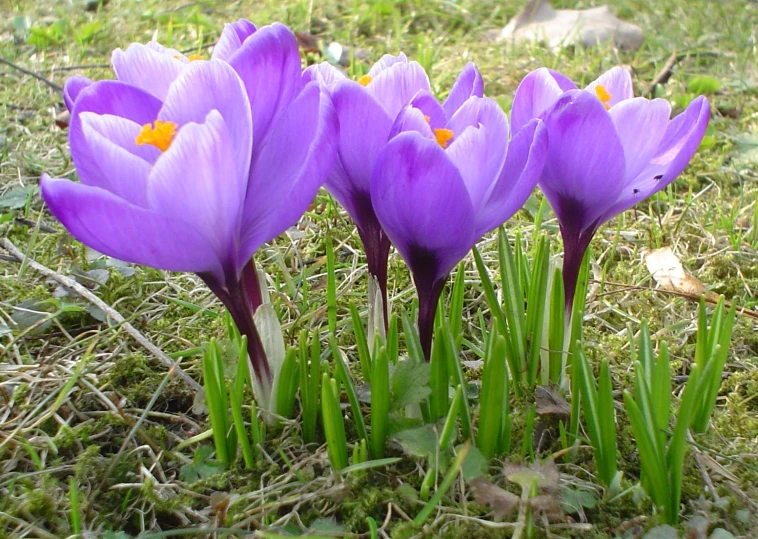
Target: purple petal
x=385, y=62
x=428, y=104
x=617, y=82
x=106, y=98
x=116, y=228
x=422, y=205
x=269, y=65
x=289, y=169
x=364, y=130
x=521, y=171
x=146, y=68
x=585, y=166
x=207, y=86
x=469, y=83
x=72, y=88
x=480, y=142
x=119, y=170
x=394, y=86
x=324, y=73
x=539, y=90
x=641, y=125
x=232, y=38
x=679, y=144
x=197, y=180
x=412, y=119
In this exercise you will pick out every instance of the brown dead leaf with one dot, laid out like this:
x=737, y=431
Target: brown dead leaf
x=544, y=473
x=551, y=403
x=502, y=502
x=63, y=119
x=548, y=506
x=539, y=22
x=669, y=273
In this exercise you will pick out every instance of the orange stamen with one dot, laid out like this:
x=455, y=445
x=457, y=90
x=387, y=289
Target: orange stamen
x=603, y=96
x=364, y=80
x=443, y=136
x=193, y=57
x=160, y=134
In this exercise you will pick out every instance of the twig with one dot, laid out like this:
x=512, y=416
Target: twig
x=37, y=76
x=703, y=470
x=173, y=366
x=664, y=74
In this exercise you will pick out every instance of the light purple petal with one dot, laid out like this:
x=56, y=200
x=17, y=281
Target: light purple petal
x=72, y=88
x=290, y=167
x=196, y=180
x=641, y=125
x=106, y=98
x=428, y=104
x=469, y=83
x=538, y=91
x=324, y=73
x=585, y=166
x=116, y=228
x=146, y=68
x=207, y=86
x=364, y=130
x=679, y=144
x=412, y=119
x=119, y=170
x=422, y=205
x=269, y=65
x=394, y=86
x=521, y=171
x=232, y=38
x=479, y=145
x=386, y=61
x=617, y=82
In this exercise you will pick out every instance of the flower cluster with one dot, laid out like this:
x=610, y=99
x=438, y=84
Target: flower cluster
x=191, y=164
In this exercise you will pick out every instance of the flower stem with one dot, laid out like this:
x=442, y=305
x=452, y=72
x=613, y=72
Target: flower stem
x=428, y=297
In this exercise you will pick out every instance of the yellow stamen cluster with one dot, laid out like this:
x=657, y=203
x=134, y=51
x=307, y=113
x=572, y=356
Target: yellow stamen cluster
x=443, y=136
x=603, y=96
x=191, y=57
x=364, y=80
x=159, y=134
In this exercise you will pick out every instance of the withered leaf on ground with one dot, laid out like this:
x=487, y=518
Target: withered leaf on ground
x=502, y=502
x=544, y=473
x=551, y=403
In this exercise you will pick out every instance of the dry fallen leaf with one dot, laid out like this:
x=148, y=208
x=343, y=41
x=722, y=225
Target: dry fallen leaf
x=539, y=22
x=502, y=502
x=669, y=273
x=551, y=403
x=545, y=474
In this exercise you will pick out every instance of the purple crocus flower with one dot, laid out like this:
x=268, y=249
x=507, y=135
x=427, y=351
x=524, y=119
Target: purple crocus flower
x=366, y=110
x=607, y=151
x=181, y=184
x=442, y=182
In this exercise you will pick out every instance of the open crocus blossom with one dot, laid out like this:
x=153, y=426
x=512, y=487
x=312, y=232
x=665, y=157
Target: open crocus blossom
x=366, y=110
x=607, y=151
x=442, y=182
x=179, y=184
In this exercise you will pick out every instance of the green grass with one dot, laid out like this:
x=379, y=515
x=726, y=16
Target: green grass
x=141, y=483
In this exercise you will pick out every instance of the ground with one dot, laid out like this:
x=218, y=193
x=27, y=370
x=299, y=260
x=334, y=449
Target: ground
x=88, y=414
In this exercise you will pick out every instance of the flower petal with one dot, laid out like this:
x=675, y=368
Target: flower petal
x=469, y=83
x=394, y=86
x=116, y=228
x=207, y=86
x=364, y=130
x=386, y=61
x=480, y=142
x=585, y=166
x=290, y=167
x=106, y=98
x=433, y=111
x=520, y=173
x=232, y=38
x=641, y=125
x=72, y=88
x=422, y=205
x=617, y=82
x=538, y=91
x=269, y=65
x=110, y=141
x=411, y=118
x=196, y=180
x=679, y=144
x=147, y=68
x=324, y=73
